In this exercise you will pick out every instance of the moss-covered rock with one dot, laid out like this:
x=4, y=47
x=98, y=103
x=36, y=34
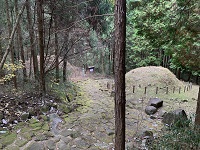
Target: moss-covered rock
x=11, y=147
x=21, y=142
x=44, y=117
x=46, y=127
x=43, y=136
x=8, y=139
x=33, y=121
x=35, y=124
x=27, y=135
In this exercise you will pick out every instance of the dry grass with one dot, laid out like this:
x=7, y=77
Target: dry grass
x=152, y=77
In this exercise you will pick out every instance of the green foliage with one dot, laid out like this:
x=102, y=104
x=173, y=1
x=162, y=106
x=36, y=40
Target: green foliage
x=9, y=70
x=168, y=26
x=178, y=138
x=63, y=90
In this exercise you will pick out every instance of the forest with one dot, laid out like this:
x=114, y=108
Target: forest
x=51, y=49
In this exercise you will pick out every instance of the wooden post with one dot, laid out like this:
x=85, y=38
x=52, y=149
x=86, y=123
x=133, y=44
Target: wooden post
x=134, y=89
x=184, y=89
x=156, y=90
x=187, y=87
x=145, y=90
x=167, y=90
x=174, y=89
x=179, y=90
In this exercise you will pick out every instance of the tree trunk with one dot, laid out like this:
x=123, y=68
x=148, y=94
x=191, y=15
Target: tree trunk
x=32, y=43
x=11, y=38
x=197, y=79
x=11, y=47
x=19, y=32
x=56, y=52
x=64, y=68
x=40, y=22
x=197, y=118
x=1, y=55
x=120, y=99
x=178, y=73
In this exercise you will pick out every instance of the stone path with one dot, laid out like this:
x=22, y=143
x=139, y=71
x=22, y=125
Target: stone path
x=90, y=127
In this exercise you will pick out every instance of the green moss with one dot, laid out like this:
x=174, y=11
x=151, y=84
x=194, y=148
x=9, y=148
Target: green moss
x=46, y=127
x=33, y=121
x=21, y=142
x=64, y=108
x=36, y=128
x=44, y=117
x=35, y=124
x=28, y=135
x=12, y=148
x=21, y=125
x=25, y=129
x=8, y=139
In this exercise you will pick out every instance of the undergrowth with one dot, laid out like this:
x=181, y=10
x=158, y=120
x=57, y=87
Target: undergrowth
x=177, y=138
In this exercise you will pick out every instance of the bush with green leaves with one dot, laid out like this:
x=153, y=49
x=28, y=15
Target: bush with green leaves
x=157, y=28
x=178, y=138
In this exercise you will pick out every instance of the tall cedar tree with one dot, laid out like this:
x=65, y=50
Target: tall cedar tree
x=41, y=43
x=120, y=101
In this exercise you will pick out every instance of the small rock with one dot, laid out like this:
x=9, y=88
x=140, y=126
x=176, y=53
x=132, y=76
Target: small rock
x=161, y=113
x=147, y=133
x=153, y=117
x=51, y=144
x=110, y=131
x=149, y=110
x=130, y=146
x=3, y=132
x=24, y=116
x=4, y=121
x=156, y=102
x=184, y=100
x=62, y=145
x=36, y=146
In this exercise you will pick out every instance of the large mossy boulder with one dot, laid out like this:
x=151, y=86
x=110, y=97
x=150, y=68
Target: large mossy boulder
x=177, y=118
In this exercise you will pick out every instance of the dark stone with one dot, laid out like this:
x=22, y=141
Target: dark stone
x=147, y=133
x=161, y=113
x=35, y=146
x=51, y=144
x=149, y=110
x=177, y=117
x=25, y=116
x=153, y=117
x=156, y=102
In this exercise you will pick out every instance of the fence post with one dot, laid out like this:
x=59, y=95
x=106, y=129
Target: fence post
x=156, y=90
x=184, y=88
x=145, y=90
x=134, y=89
x=174, y=89
x=167, y=91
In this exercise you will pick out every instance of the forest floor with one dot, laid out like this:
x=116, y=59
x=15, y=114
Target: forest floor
x=90, y=126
